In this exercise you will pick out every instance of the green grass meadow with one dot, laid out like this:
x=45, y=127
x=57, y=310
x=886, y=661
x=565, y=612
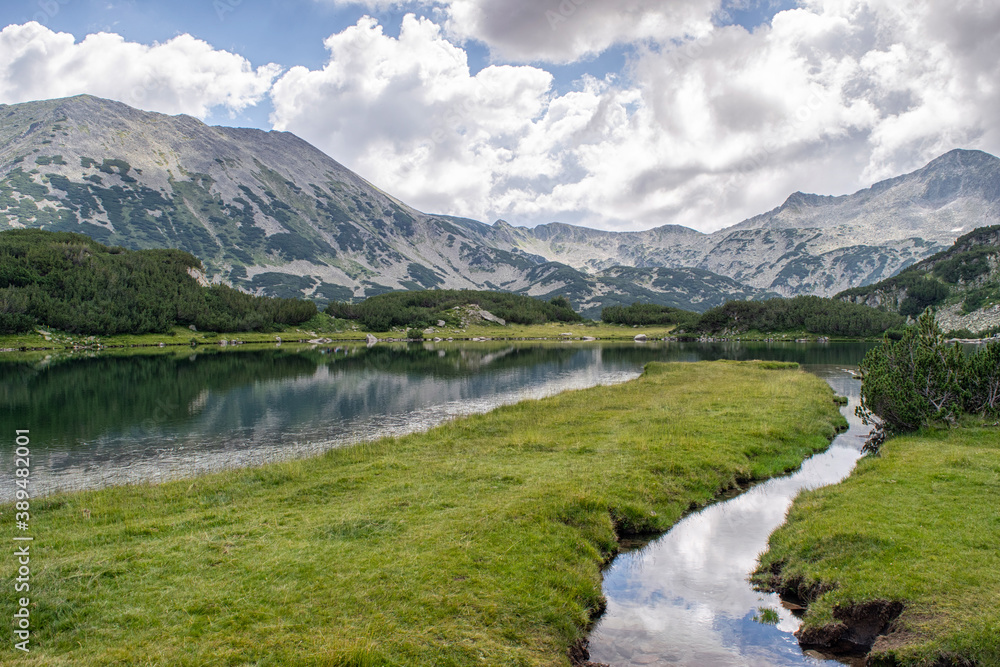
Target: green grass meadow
x=479, y=542
x=324, y=326
x=920, y=525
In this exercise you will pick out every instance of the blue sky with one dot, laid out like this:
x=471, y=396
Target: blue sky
x=618, y=114
x=288, y=32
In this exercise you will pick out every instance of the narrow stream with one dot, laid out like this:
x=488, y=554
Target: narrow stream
x=684, y=598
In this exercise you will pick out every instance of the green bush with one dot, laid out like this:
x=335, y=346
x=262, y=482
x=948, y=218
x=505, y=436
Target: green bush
x=419, y=309
x=920, y=379
x=913, y=381
x=984, y=381
x=647, y=314
x=976, y=299
x=803, y=313
x=960, y=333
x=922, y=293
x=965, y=266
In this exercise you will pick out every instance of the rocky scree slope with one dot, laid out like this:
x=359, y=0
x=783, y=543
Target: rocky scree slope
x=270, y=213
x=811, y=244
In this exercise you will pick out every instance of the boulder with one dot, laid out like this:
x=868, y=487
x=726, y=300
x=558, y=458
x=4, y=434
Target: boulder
x=489, y=317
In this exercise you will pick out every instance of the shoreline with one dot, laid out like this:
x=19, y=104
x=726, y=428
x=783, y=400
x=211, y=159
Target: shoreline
x=482, y=539
x=898, y=562
x=69, y=343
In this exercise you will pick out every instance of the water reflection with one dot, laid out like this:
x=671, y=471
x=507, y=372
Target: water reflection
x=114, y=418
x=684, y=599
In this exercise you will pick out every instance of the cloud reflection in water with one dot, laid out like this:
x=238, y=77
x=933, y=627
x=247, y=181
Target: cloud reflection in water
x=684, y=599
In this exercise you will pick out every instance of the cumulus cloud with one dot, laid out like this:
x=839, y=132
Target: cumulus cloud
x=408, y=114
x=182, y=75
x=561, y=31
x=707, y=124
x=702, y=130
x=566, y=30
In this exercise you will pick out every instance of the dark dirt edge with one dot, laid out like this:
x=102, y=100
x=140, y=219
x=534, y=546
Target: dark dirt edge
x=858, y=626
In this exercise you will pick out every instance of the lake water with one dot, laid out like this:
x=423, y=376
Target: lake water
x=105, y=418
x=109, y=418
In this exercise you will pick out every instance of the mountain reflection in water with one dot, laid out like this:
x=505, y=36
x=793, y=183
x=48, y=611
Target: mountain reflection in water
x=115, y=418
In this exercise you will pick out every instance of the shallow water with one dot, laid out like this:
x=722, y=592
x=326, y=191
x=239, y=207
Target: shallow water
x=684, y=598
x=105, y=419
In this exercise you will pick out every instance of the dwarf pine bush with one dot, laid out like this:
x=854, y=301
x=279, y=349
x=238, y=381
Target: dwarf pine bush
x=920, y=379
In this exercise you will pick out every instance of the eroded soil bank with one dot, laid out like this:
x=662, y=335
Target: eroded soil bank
x=901, y=559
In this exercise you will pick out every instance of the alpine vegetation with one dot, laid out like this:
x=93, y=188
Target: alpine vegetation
x=920, y=379
x=70, y=282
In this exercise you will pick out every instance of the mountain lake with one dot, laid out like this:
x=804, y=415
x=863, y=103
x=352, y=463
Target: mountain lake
x=108, y=418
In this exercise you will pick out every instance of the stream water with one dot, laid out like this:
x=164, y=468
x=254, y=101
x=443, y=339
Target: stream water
x=684, y=598
x=113, y=418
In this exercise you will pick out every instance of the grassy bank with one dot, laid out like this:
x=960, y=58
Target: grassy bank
x=790, y=336
x=916, y=530
x=323, y=326
x=476, y=543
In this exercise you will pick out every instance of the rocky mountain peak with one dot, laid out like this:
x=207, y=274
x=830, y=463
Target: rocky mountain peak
x=270, y=213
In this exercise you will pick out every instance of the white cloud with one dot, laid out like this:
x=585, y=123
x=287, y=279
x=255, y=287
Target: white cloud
x=560, y=30
x=718, y=126
x=408, y=114
x=566, y=30
x=827, y=98
x=182, y=75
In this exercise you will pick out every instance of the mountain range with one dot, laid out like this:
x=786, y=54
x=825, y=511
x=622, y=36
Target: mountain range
x=270, y=213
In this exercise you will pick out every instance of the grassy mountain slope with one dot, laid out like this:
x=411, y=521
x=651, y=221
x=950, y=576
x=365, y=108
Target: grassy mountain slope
x=962, y=283
x=263, y=210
